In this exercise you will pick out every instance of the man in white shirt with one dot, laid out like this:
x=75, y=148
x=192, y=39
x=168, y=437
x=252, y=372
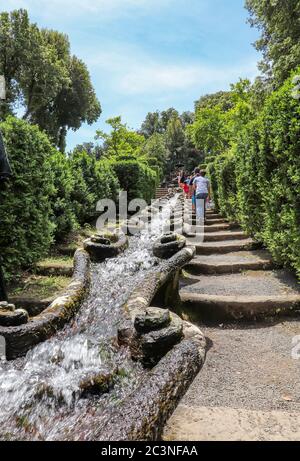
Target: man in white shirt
x=201, y=187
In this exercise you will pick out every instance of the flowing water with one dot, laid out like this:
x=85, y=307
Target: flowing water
x=41, y=394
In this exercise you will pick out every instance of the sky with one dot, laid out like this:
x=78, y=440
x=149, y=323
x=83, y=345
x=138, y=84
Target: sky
x=148, y=55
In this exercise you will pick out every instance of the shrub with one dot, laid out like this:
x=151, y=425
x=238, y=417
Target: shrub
x=259, y=179
x=281, y=185
x=136, y=178
x=64, y=217
x=26, y=227
x=226, y=184
x=250, y=178
x=211, y=173
x=93, y=181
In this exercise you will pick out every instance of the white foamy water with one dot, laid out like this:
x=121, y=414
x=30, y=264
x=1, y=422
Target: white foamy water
x=41, y=394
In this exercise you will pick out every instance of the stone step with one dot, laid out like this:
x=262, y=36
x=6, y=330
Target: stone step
x=208, y=215
x=191, y=423
x=217, y=227
x=194, y=221
x=224, y=247
x=250, y=295
x=213, y=221
x=224, y=236
x=231, y=262
x=212, y=229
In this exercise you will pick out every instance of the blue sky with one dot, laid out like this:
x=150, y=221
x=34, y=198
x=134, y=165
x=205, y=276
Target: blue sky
x=145, y=55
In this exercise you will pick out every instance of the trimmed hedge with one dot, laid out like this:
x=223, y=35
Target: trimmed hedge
x=250, y=177
x=211, y=173
x=51, y=194
x=280, y=148
x=93, y=181
x=259, y=180
x=26, y=227
x=63, y=213
x=226, y=183
x=136, y=178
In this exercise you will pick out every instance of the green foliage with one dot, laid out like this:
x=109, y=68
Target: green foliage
x=278, y=21
x=155, y=148
x=281, y=146
x=174, y=143
x=226, y=183
x=250, y=172
x=53, y=86
x=63, y=213
x=211, y=173
x=223, y=99
x=121, y=140
x=136, y=178
x=93, y=181
x=258, y=180
x=151, y=125
x=26, y=227
x=207, y=132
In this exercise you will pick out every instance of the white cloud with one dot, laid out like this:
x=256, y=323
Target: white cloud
x=71, y=8
x=134, y=73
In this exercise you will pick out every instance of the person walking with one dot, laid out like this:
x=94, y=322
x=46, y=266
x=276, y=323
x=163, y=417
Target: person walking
x=187, y=186
x=202, y=190
x=192, y=194
x=182, y=180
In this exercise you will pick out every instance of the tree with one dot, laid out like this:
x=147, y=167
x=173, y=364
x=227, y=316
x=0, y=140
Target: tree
x=152, y=124
x=278, y=21
x=166, y=116
x=187, y=118
x=221, y=99
x=53, y=87
x=121, y=140
x=75, y=104
x=208, y=132
x=156, y=149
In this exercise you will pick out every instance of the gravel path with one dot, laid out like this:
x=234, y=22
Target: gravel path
x=250, y=367
x=249, y=388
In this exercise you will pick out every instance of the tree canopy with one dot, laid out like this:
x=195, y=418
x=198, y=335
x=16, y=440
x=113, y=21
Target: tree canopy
x=279, y=23
x=42, y=77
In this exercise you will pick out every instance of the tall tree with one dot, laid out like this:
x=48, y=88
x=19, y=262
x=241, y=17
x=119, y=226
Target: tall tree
x=121, y=141
x=152, y=124
x=53, y=87
x=156, y=148
x=166, y=116
x=221, y=99
x=207, y=132
x=279, y=23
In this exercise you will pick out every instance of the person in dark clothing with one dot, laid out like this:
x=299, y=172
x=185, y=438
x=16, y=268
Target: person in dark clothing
x=5, y=170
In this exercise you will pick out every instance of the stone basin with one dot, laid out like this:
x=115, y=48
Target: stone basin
x=168, y=245
x=103, y=246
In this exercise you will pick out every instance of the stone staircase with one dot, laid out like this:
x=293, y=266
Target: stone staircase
x=232, y=278
x=161, y=192
x=249, y=386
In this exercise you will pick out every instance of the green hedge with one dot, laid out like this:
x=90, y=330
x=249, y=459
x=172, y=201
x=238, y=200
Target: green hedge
x=226, y=181
x=259, y=181
x=211, y=174
x=280, y=151
x=136, y=178
x=250, y=178
x=93, y=181
x=209, y=159
x=25, y=210
x=63, y=210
